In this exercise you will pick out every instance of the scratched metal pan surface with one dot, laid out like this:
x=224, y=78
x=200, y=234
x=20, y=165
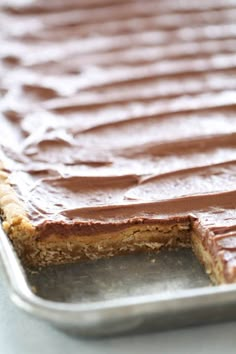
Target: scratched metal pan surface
x=135, y=293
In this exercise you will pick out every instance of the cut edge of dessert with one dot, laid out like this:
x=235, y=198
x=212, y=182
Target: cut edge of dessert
x=35, y=250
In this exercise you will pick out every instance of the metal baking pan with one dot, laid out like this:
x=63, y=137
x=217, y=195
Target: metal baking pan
x=134, y=293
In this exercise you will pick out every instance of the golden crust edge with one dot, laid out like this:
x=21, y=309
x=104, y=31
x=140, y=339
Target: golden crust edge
x=12, y=209
x=214, y=267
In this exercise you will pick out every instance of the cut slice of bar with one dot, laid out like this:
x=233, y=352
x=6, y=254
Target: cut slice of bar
x=118, y=130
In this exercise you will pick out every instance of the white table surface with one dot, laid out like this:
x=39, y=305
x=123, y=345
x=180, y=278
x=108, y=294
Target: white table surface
x=22, y=334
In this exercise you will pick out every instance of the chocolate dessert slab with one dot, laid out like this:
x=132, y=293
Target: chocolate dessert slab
x=118, y=130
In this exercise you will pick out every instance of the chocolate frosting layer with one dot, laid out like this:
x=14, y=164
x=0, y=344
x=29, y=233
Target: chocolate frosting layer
x=115, y=113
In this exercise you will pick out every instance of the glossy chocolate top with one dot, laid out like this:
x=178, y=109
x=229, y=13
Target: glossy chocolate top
x=117, y=112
